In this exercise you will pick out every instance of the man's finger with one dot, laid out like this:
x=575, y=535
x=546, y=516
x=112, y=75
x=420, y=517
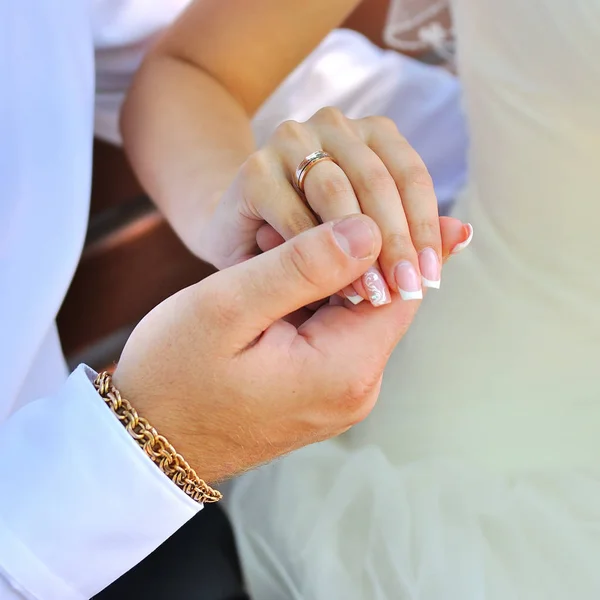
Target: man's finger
x=314, y=265
x=359, y=335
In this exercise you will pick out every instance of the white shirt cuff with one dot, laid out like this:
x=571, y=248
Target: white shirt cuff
x=81, y=504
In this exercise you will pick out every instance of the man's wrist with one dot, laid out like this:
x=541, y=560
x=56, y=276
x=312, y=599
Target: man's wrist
x=154, y=443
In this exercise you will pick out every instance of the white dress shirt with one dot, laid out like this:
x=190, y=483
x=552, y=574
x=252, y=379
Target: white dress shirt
x=80, y=504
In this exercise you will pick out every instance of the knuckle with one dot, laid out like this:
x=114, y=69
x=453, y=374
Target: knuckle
x=416, y=173
x=331, y=116
x=397, y=244
x=300, y=263
x=374, y=176
x=254, y=176
x=379, y=124
x=292, y=131
x=428, y=231
x=359, y=400
x=256, y=166
x=298, y=221
x=335, y=187
x=362, y=412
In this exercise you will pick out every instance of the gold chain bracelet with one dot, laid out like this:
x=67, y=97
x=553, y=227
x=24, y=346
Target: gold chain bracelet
x=156, y=446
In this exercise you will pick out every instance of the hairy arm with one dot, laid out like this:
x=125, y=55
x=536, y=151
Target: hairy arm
x=186, y=122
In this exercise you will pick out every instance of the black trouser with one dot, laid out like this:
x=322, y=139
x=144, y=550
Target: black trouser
x=199, y=562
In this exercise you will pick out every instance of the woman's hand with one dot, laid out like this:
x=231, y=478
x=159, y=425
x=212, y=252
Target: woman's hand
x=376, y=172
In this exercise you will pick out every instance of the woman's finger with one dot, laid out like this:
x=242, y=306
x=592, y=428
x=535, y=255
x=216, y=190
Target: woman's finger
x=269, y=195
x=456, y=236
x=373, y=287
x=267, y=238
x=326, y=188
x=329, y=193
x=379, y=198
x=416, y=190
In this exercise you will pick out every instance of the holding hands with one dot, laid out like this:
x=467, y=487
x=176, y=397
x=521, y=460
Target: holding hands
x=232, y=384
x=232, y=370
x=223, y=368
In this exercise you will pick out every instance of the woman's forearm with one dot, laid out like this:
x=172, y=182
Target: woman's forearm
x=186, y=122
x=186, y=137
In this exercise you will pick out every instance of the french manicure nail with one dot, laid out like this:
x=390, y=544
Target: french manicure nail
x=469, y=233
x=351, y=294
x=354, y=298
x=407, y=280
x=429, y=263
x=376, y=287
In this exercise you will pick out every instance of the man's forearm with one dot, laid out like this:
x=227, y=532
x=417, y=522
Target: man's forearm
x=186, y=123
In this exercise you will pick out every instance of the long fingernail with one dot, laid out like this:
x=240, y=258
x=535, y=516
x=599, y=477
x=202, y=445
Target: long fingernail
x=469, y=233
x=376, y=287
x=429, y=263
x=355, y=237
x=407, y=280
x=351, y=295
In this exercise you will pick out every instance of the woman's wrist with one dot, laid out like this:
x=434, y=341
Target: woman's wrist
x=192, y=219
x=186, y=143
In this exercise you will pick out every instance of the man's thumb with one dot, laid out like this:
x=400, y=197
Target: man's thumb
x=311, y=266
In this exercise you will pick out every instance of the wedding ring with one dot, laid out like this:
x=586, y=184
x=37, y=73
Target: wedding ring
x=306, y=165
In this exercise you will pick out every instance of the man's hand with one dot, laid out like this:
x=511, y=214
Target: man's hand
x=218, y=371
x=220, y=374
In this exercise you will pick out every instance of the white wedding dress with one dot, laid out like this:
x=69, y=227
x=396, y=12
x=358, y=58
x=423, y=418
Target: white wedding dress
x=477, y=477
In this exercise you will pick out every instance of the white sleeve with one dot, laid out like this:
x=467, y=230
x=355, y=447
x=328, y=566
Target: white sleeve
x=80, y=503
x=124, y=30
x=115, y=68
